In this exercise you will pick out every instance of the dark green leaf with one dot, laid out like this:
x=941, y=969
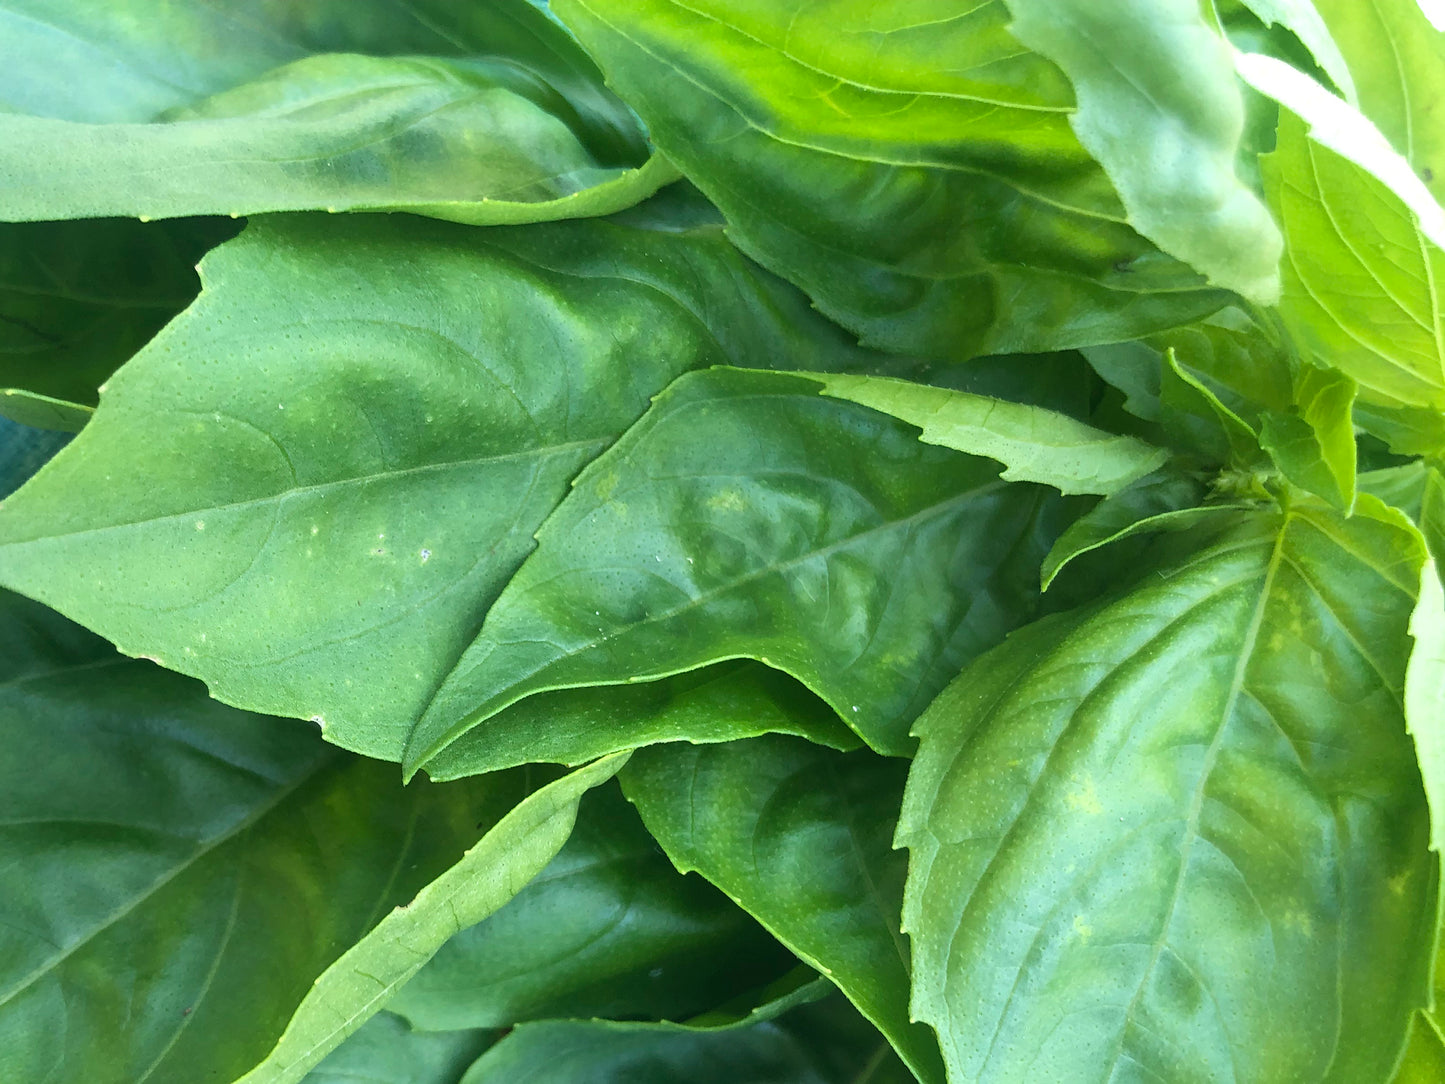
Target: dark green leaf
x=177, y=872
x=747, y=516
x=826, y=1043
x=23, y=451
x=913, y=169
x=478, y=113
x=1397, y=70
x=608, y=929
x=1182, y=836
x=801, y=838
x=79, y=298
x=386, y=1051
x=355, y=987
x=335, y=459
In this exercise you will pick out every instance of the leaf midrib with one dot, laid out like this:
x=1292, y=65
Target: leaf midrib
x=1196, y=808
x=540, y=452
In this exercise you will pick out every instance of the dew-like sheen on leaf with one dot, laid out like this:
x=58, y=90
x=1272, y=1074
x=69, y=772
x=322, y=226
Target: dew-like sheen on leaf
x=910, y=166
x=308, y=489
x=747, y=516
x=481, y=113
x=1181, y=835
x=178, y=872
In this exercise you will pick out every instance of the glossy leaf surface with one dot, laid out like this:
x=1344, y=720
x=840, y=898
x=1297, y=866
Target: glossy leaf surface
x=609, y=929
x=177, y=872
x=748, y=516
x=1182, y=834
x=336, y=458
x=482, y=114
x=912, y=168
x=801, y=838
x=354, y=988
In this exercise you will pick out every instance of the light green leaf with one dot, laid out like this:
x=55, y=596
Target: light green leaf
x=1167, y=143
x=1314, y=446
x=1033, y=444
x=1302, y=18
x=746, y=516
x=608, y=929
x=336, y=458
x=1424, y=1061
x=800, y=837
x=911, y=168
x=177, y=872
x=1425, y=695
x=386, y=1051
x=1364, y=269
x=482, y=114
x=824, y=1043
x=1396, y=62
x=726, y=702
x=79, y=298
x=356, y=986
x=1181, y=836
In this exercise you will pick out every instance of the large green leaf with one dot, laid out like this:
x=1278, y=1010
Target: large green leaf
x=747, y=516
x=335, y=459
x=825, y=1043
x=177, y=872
x=1363, y=270
x=79, y=298
x=1181, y=836
x=478, y=113
x=356, y=986
x=801, y=838
x=386, y=1051
x=910, y=167
x=1033, y=444
x=1168, y=143
x=608, y=929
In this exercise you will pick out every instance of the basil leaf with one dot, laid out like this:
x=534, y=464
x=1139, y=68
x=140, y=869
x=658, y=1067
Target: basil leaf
x=1115, y=817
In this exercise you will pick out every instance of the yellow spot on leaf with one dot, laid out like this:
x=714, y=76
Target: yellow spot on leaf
x=1086, y=798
